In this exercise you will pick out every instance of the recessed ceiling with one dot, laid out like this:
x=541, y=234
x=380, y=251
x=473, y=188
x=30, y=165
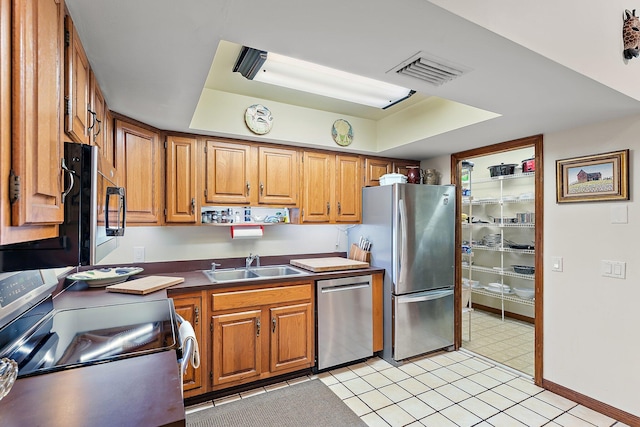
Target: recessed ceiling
x=221, y=77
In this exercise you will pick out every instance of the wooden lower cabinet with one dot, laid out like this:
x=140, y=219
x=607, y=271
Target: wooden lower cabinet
x=261, y=332
x=291, y=340
x=189, y=307
x=236, y=346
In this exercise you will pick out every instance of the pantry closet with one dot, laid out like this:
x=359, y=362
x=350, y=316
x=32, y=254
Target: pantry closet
x=499, y=263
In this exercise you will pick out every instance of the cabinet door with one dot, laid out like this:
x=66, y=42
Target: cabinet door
x=374, y=169
x=318, y=184
x=278, y=176
x=400, y=166
x=348, y=189
x=36, y=141
x=140, y=162
x=181, y=179
x=227, y=172
x=236, y=346
x=291, y=337
x=77, y=93
x=190, y=309
x=98, y=108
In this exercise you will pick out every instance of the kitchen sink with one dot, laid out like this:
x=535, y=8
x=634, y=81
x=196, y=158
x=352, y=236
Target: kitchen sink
x=277, y=270
x=252, y=273
x=229, y=275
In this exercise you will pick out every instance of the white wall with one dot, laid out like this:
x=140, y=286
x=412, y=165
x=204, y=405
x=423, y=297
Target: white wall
x=583, y=36
x=590, y=322
x=214, y=242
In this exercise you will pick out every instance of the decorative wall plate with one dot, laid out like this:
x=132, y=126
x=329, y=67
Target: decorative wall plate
x=258, y=119
x=342, y=132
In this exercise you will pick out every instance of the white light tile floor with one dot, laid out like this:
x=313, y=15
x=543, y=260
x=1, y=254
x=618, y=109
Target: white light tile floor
x=509, y=342
x=480, y=394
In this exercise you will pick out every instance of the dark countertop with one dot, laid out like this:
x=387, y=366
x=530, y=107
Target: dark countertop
x=195, y=280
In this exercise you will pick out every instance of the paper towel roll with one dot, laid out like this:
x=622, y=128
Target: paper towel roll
x=247, y=231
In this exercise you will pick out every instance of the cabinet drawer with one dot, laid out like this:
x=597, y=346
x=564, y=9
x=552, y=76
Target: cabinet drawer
x=256, y=297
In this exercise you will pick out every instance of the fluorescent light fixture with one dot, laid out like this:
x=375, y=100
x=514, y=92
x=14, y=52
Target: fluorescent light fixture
x=305, y=76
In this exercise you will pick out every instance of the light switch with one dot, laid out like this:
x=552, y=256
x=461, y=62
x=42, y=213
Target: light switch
x=615, y=269
x=556, y=263
x=619, y=214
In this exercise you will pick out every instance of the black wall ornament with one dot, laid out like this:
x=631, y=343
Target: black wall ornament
x=631, y=34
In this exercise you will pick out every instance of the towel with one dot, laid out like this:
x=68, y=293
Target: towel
x=186, y=334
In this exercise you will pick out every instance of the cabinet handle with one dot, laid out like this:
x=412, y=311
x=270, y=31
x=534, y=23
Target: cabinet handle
x=328, y=208
x=257, y=326
x=93, y=115
x=339, y=208
x=273, y=322
x=193, y=205
x=196, y=318
x=261, y=188
x=95, y=135
x=248, y=188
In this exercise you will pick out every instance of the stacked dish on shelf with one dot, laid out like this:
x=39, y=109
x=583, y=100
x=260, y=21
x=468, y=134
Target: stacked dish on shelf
x=524, y=293
x=498, y=288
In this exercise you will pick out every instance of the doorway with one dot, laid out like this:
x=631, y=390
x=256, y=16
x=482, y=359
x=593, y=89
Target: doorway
x=499, y=266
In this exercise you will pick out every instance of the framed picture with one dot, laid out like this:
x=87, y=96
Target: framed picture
x=599, y=177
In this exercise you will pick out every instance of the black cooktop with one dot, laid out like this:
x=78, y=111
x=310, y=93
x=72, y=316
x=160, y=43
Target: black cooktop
x=71, y=338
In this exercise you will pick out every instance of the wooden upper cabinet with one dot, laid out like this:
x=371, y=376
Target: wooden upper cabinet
x=278, y=176
x=227, y=172
x=181, y=179
x=36, y=116
x=374, y=169
x=97, y=109
x=400, y=166
x=140, y=162
x=237, y=173
x=318, y=182
x=348, y=189
x=78, y=119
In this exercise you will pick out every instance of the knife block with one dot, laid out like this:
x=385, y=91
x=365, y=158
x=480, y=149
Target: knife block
x=358, y=254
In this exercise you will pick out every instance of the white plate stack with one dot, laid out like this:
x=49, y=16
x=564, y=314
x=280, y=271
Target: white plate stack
x=498, y=288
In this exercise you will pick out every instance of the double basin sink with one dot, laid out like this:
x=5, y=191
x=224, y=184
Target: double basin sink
x=252, y=273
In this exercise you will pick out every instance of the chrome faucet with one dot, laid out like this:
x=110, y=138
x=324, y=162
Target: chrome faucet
x=250, y=258
x=214, y=265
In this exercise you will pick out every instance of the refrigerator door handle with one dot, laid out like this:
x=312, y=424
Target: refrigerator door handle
x=402, y=250
x=424, y=296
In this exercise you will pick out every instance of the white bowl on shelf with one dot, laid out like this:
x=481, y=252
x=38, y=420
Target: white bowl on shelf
x=524, y=293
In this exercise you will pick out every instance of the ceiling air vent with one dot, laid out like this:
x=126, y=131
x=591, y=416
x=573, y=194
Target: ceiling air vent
x=430, y=69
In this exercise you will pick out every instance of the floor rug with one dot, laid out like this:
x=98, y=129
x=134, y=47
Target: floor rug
x=310, y=403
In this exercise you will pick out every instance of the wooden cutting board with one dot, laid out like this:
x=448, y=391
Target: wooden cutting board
x=328, y=264
x=145, y=285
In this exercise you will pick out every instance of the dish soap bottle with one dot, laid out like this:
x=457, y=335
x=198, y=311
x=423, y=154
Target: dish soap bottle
x=286, y=215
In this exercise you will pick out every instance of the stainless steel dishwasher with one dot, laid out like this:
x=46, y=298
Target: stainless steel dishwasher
x=345, y=320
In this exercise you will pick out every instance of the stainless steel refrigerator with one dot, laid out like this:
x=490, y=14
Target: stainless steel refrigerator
x=411, y=227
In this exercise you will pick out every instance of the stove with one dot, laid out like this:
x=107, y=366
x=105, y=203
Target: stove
x=42, y=339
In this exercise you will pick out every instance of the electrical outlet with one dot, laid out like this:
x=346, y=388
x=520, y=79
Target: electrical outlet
x=138, y=254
